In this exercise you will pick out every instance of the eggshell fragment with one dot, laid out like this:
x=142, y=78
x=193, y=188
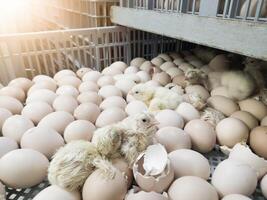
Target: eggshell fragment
x=192, y=188
x=87, y=111
x=6, y=145
x=258, y=139
x=191, y=163
x=263, y=121
x=231, y=131
x=169, y=118
x=36, y=111
x=62, y=73
x=80, y=72
x=15, y=92
x=79, y=130
x=43, y=95
x=42, y=139
x=236, y=197
x=54, y=192
x=57, y=121
x=173, y=138
x=23, y=168
x=233, y=177
x=254, y=107
x=4, y=114
x=202, y=134
x=113, y=101
x=115, y=188
x=15, y=126
x=91, y=76
x=69, y=80
x=135, y=107
x=67, y=90
x=247, y=118
x=11, y=104
x=223, y=104
x=108, y=91
x=105, y=80
x=187, y=111
x=88, y=86
x=145, y=196
x=263, y=186
x=22, y=83
x=65, y=103
x=110, y=116
x=87, y=97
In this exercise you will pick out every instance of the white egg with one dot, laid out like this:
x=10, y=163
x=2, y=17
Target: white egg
x=6, y=145
x=22, y=83
x=263, y=186
x=105, y=80
x=169, y=118
x=69, y=80
x=236, y=197
x=88, y=86
x=187, y=111
x=12, y=91
x=80, y=72
x=108, y=91
x=67, y=90
x=111, y=71
x=91, y=76
x=43, y=85
x=131, y=70
x=43, y=95
x=137, y=62
x=11, y=104
x=4, y=114
x=40, y=78
x=65, y=103
x=144, y=76
x=113, y=101
x=62, y=73
x=87, y=97
x=135, y=107
x=119, y=65
x=87, y=111
x=125, y=85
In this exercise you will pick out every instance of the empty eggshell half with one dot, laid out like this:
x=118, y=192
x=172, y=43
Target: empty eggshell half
x=135, y=107
x=173, y=138
x=186, y=162
x=169, y=118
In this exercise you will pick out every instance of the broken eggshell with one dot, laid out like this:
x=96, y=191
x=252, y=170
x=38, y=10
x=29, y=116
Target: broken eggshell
x=141, y=195
x=154, y=158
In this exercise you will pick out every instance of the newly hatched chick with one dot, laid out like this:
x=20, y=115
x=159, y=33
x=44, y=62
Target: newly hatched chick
x=143, y=92
x=73, y=163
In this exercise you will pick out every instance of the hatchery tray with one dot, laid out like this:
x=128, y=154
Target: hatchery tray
x=215, y=157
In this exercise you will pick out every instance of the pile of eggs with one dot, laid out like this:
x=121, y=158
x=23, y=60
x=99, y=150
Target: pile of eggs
x=39, y=116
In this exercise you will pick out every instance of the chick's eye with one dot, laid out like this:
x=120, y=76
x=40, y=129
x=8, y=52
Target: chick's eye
x=136, y=92
x=144, y=120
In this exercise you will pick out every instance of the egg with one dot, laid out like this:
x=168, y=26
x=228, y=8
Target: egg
x=22, y=83
x=125, y=85
x=87, y=111
x=263, y=121
x=180, y=80
x=80, y=72
x=113, y=101
x=119, y=65
x=43, y=85
x=175, y=55
x=220, y=63
x=137, y=62
x=88, y=86
x=263, y=186
x=174, y=71
x=167, y=65
x=111, y=71
x=258, y=139
x=123, y=166
x=185, y=66
x=108, y=91
x=87, y=97
x=223, y=104
x=6, y=145
x=65, y=103
x=69, y=80
x=233, y=177
x=40, y=78
x=79, y=130
x=254, y=107
x=146, y=66
x=110, y=116
x=42, y=139
x=187, y=111
x=115, y=188
x=4, y=114
x=163, y=78
x=179, y=61
x=91, y=76
x=153, y=83
x=105, y=80
x=43, y=95
x=54, y=192
x=247, y=118
x=23, y=168
x=169, y=118
x=67, y=90
x=165, y=57
x=144, y=76
x=131, y=70
x=199, y=90
x=190, y=57
x=157, y=61
x=220, y=91
x=202, y=134
x=196, y=63
x=36, y=111
x=57, y=121
x=15, y=92
x=192, y=188
x=191, y=163
x=135, y=107
x=11, y=104
x=15, y=126
x=236, y=197
x=2, y=191
x=145, y=196
x=231, y=131
x=152, y=169
x=62, y=73
x=173, y=138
